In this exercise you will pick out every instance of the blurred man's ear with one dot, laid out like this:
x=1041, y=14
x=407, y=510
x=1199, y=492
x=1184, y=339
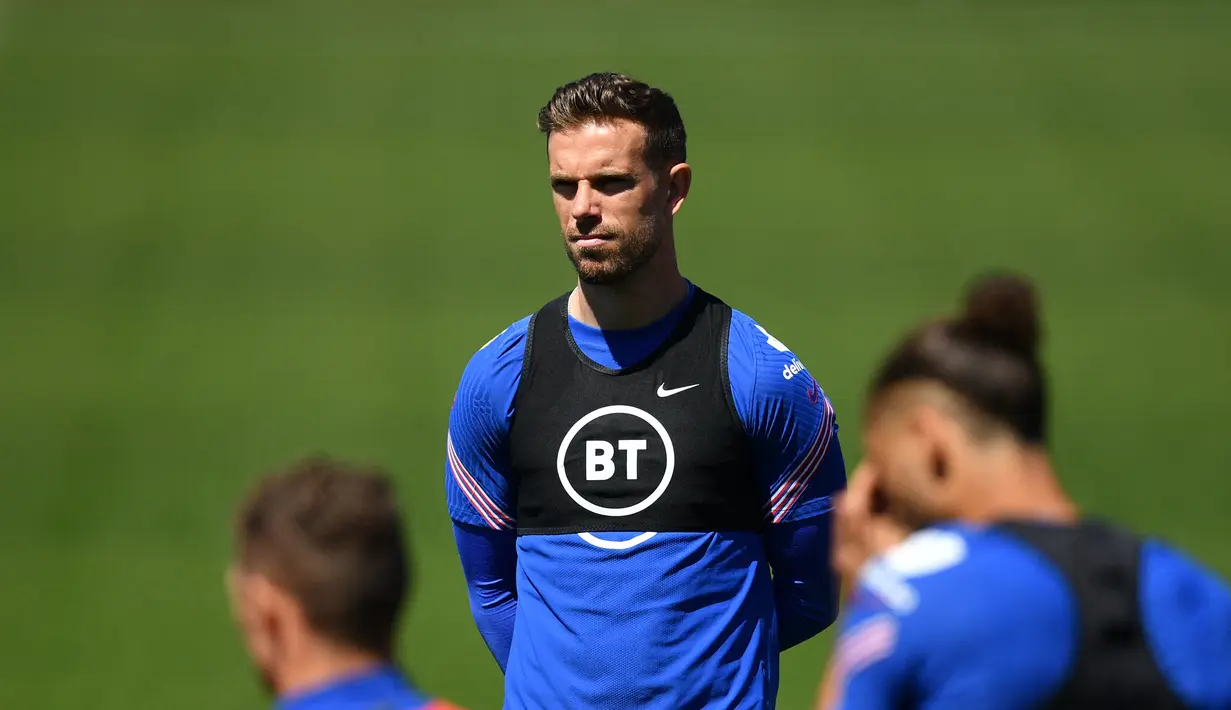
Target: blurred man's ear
x=938, y=430
x=262, y=611
x=270, y=600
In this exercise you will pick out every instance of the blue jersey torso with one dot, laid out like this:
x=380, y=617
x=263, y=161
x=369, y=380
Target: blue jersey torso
x=384, y=688
x=646, y=619
x=961, y=617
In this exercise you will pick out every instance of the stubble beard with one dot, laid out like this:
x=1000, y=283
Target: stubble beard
x=614, y=261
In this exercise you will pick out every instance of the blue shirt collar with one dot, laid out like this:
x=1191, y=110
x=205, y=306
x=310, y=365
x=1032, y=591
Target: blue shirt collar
x=625, y=348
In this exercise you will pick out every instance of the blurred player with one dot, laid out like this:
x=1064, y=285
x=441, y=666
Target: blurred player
x=317, y=587
x=626, y=466
x=980, y=585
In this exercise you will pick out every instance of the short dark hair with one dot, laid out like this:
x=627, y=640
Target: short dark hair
x=988, y=356
x=608, y=96
x=330, y=533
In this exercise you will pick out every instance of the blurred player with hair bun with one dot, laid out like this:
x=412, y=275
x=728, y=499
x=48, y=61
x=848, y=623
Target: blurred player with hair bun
x=978, y=583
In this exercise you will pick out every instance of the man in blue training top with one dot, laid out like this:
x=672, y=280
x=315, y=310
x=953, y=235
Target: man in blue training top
x=639, y=476
x=318, y=584
x=979, y=584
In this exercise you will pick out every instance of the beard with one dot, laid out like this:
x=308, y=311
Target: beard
x=619, y=257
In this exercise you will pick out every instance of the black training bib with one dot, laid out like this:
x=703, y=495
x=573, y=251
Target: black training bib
x=654, y=447
x=1114, y=668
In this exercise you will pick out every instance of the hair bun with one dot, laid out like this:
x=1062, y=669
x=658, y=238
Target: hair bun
x=1002, y=311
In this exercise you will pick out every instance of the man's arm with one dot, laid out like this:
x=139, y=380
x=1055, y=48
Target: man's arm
x=478, y=490
x=805, y=595
x=489, y=563
x=867, y=669
x=794, y=435
x=797, y=541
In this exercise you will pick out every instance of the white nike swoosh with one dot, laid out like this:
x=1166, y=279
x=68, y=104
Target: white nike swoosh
x=664, y=392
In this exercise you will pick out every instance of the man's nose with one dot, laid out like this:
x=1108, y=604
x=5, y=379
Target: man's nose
x=585, y=203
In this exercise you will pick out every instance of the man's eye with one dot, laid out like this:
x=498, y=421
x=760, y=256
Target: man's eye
x=613, y=185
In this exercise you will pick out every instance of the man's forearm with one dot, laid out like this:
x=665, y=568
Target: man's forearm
x=803, y=612
x=489, y=563
x=805, y=589
x=495, y=623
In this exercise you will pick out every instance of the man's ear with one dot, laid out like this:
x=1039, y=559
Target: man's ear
x=937, y=431
x=275, y=601
x=273, y=617
x=679, y=180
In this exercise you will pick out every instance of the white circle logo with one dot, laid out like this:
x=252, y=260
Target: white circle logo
x=644, y=416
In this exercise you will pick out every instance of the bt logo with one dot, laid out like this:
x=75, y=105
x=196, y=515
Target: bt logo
x=600, y=465
x=621, y=464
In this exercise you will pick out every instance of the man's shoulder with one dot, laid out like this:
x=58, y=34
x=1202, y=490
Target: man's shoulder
x=493, y=372
x=1181, y=601
x=1168, y=566
x=748, y=332
x=958, y=577
x=765, y=365
x=507, y=346
x=975, y=611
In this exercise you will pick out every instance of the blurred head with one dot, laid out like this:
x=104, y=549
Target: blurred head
x=956, y=416
x=616, y=151
x=321, y=569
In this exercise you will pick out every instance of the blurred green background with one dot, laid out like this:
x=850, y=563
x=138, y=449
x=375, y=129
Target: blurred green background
x=235, y=232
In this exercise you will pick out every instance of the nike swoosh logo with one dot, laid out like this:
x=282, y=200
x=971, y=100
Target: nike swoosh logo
x=664, y=392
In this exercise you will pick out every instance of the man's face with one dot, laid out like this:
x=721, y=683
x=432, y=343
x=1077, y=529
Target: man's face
x=613, y=208
x=910, y=464
x=253, y=609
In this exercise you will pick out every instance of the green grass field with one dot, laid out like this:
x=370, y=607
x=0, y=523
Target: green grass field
x=235, y=232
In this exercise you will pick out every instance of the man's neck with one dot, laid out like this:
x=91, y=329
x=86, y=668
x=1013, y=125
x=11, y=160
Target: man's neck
x=1057, y=511
x=323, y=667
x=1035, y=497
x=636, y=302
